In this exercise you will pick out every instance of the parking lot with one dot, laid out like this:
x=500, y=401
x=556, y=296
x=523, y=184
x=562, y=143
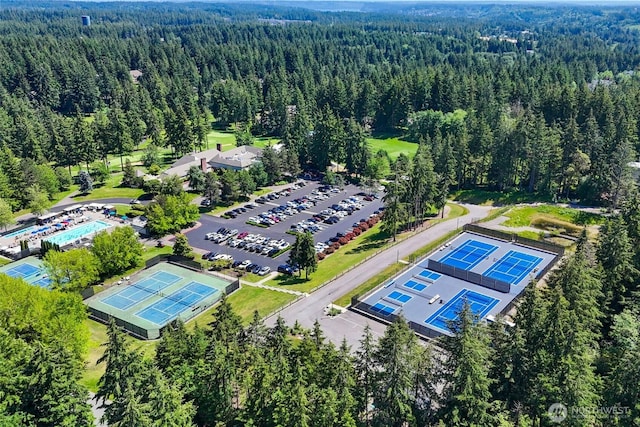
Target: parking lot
x=277, y=231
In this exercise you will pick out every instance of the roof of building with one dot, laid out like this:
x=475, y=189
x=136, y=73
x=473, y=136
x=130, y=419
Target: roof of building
x=181, y=166
x=239, y=157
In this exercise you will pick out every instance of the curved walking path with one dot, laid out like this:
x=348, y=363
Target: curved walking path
x=350, y=325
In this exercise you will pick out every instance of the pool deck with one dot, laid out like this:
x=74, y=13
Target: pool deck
x=12, y=243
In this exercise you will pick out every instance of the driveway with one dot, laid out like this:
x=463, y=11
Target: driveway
x=350, y=325
x=209, y=224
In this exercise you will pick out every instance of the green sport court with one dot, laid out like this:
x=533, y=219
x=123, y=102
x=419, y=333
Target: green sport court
x=30, y=269
x=155, y=297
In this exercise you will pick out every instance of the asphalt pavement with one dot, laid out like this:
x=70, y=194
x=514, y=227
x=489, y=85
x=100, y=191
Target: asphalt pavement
x=210, y=224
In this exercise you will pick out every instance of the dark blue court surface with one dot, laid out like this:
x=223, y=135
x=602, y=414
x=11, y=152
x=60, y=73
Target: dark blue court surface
x=429, y=275
x=399, y=297
x=172, y=305
x=385, y=310
x=480, y=305
x=468, y=255
x=513, y=267
x=22, y=270
x=45, y=282
x=141, y=290
x=416, y=286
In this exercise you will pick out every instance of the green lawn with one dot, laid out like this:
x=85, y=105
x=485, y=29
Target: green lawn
x=496, y=198
x=393, y=145
x=4, y=261
x=264, y=141
x=245, y=301
x=528, y=215
x=110, y=189
x=252, y=278
x=227, y=139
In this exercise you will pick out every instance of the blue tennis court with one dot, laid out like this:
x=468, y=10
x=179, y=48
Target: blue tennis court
x=513, y=267
x=172, y=305
x=468, y=255
x=416, y=286
x=429, y=275
x=480, y=305
x=383, y=309
x=141, y=290
x=22, y=270
x=399, y=296
x=44, y=282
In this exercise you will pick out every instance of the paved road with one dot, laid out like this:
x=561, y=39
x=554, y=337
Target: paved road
x=350, y=325
x=97, y=410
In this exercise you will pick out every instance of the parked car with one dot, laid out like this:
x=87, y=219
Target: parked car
x=285, y=269
x=264, y=271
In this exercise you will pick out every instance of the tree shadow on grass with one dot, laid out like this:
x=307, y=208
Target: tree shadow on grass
x=497, y=198
x=290, y=280
x=370, y=242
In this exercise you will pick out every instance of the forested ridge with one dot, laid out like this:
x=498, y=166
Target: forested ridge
x=538, y=99
x=548, y=96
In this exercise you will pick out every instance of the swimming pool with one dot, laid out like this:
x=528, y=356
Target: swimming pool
x=20, y=232
x=76, y=233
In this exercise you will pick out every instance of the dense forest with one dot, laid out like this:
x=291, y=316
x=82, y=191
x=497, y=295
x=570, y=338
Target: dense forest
x=574, y=341
x=538, y=99
x=543, y=100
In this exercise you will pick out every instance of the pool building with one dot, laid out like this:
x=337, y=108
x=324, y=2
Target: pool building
x=483, y=268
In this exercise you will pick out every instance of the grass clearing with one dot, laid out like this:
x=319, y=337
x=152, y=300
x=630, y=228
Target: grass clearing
x=251, y=278
x=245, y=301
x=530, y=235
x=496, y=198
x=110, y=189
x=495, y=213
x=227, y=139
x=529, y=215
x=393, y=145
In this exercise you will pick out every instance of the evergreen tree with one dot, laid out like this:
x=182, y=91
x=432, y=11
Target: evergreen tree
x=129, y=178
x=54, y=396
x=181, y=246
x=303, y=254
x=392, y=395
x=615, y=254
x=196, y=178
x=466, y=398
x=85, y=181
x=211, y=187
x=365, y=374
